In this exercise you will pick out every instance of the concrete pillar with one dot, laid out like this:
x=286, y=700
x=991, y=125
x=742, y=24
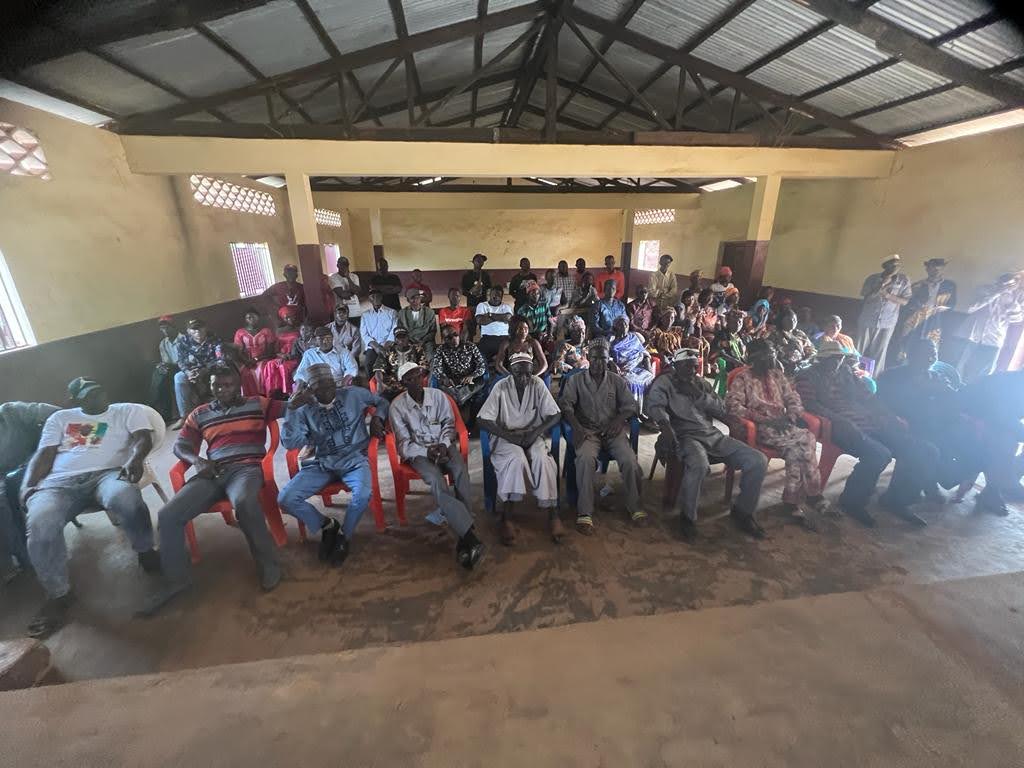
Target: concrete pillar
x=377, y=235
x=626, y=253
x=307, y=241
x=747, y=258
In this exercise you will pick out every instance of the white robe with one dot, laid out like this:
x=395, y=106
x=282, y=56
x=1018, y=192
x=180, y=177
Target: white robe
x=519, y=471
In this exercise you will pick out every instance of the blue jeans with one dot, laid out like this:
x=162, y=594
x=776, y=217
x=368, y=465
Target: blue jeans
x=355, y=473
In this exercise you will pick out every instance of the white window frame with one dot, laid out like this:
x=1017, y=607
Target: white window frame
x=653, y=245
x=263, y=249
x=10, y=303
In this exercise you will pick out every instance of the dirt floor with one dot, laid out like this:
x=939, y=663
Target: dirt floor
x=927, y=676
x=403, y=585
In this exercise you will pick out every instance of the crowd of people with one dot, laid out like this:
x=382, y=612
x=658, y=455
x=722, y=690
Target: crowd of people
x=566, y=350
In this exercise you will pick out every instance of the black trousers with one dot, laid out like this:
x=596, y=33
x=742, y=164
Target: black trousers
x=161, y=392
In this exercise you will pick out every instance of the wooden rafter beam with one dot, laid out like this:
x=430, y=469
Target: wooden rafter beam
x=915, y=50
x=478, y=57
x=429, y=97
x=412, y=76
x=698, y=66
x=349, y=61
x=533, y=61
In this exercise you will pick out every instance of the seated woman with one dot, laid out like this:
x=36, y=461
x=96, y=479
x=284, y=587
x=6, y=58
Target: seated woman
x=277, y=372
x=728, y=346
x=761, y=311
x=763, y=394
x=572, y=354
x=519, y=340
x=631, y=360
x=792, y=347
x=833, y=332
x=256, y=344
x=687, y=308
x=459, y=368
x=666, y=338
x=707, y=315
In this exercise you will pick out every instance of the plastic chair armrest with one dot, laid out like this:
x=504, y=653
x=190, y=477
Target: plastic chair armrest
x=177, y=475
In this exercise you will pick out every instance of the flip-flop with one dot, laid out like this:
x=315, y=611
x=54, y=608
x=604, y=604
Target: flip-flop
x=585, y=525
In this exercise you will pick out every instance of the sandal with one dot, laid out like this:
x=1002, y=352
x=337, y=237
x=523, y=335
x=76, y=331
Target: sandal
x=51, y=617
x=585, y=525
x=639, y=518
x=557, y=530
x=507, y=533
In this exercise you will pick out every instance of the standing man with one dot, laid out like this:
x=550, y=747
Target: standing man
x=683, y=405
x=377, y=329
x=519, y=413
x=458, y=317
x=611, y=272
x=476, y=282
x=564, y=282
x=20, y=427
x=234, y=429
x=89, y=456
x=884, y=294
x=663, y=284
x=930, y=299
x=424, y=427
x=287, y=293
x=346, y=335
x=516, y=286
x=420, y=322
x=598, y=406
x=345, y=287
x=417, y=284
x=161, y=383
x=492, y=318
x=389, y=284
x=534, y=311
x=197, y=351
x=984, y=331
x=331, y=421
x=340, y=361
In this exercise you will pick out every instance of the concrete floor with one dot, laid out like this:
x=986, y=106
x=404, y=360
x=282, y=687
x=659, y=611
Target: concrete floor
x=914, y=676
x=403, y=586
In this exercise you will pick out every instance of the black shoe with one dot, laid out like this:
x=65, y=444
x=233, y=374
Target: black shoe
x=328, y=539
x=156, y=602
x=861, y=515
x=150, y=561
x=340, y=551
x=51, y=617
x=687, y=530
x=469, y=550
x=747, y=524
x=901, y=511
x=991, y=503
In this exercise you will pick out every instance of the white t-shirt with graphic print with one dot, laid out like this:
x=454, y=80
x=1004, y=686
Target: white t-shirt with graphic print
x=91, y=442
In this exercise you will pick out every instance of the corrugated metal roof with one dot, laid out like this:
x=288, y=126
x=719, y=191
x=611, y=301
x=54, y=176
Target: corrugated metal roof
x=765, y=25
x=183, y=59
x=573, y=56
x=587, y=110
x=355, y=24
x=493, y=94
x=897, y=81
x=258, y=34
x=1017, y=75
x=668, y=23
x=990, y=46
x=495, y=42
x=393, y=89
x=824, y=59
x=930, y=18
x=103, y=84
x=636, y=67
x=421, y=15
x=459, y=105
x=445, y=65
x=948, y=107
x=607, y=9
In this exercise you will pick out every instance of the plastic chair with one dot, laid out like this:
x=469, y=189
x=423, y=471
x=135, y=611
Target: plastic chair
x=403, y=473
x=745, y=431
x=268, y=497
x=291, y=458
x=568, y=468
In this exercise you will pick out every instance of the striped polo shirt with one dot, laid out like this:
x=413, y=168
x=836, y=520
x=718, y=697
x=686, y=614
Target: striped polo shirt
x=236, y=434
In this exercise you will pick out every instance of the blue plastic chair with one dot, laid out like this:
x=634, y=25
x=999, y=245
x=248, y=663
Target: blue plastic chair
x=568, y=467
x=491, y=479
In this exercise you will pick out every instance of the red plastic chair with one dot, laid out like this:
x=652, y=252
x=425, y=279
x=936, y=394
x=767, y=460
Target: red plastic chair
x=403, y=473
x=292, y=459
x=268, y=497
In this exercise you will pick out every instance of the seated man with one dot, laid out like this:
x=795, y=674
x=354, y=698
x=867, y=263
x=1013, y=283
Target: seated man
x=763, y=394
x=421, y=323
x=427, y=440
x=641, y=311
x=89, y=456
x=683, y=405
x=608, y=309
x=341, y=363
x=20, y=427
x=417, y=284
x=346, y=335
x=161, y=385
x=459, y=369
x=519, y=413
x=864, y=428
x=394, y=356
x=234, y=429
x=330, y=420
x=492, y=318
x=598, y=406
x=197, y=351
x=459, y=318
x=377, y=330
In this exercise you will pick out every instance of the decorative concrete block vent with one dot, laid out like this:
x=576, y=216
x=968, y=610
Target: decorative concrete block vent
x=25, y=663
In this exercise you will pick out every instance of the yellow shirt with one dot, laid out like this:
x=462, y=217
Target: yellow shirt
x=663, y=288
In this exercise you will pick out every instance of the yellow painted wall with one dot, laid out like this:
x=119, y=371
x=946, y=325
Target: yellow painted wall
x=98, y=246
x=962, y=200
